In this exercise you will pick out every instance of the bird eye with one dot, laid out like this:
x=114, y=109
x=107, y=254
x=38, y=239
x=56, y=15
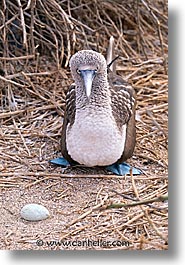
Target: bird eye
x=78, y=71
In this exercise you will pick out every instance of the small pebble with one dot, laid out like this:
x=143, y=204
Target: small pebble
x=34, y=212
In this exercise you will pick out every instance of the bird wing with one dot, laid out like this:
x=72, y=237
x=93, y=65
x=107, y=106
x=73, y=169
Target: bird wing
x=70, y=104
x=123, y=108
x=122, y=94
x=69, y=117
x=122, y=99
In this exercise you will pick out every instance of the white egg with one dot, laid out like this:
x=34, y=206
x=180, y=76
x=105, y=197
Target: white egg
x=34, y=212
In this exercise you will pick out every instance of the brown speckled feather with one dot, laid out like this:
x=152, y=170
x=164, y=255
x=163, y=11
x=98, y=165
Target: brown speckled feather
x=69, y=117
x=123, y=107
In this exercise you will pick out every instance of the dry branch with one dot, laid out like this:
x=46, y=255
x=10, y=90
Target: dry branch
x=160, y=198
x=37, y=39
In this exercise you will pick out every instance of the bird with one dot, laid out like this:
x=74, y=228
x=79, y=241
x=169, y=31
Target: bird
x=99, y=119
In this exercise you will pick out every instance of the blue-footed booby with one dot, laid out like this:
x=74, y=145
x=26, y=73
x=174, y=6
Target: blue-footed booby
x=99, y=120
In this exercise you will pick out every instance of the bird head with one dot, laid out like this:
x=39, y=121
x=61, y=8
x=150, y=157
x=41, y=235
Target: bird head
x=86, y=66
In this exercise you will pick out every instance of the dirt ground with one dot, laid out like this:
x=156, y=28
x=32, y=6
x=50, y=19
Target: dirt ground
x=77, y=198
x=36, y=42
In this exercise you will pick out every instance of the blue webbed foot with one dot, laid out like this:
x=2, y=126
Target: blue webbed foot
x=118, y=169
x=123, y=169
x=60, y=161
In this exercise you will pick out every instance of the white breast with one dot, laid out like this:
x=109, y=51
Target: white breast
x=94, y=139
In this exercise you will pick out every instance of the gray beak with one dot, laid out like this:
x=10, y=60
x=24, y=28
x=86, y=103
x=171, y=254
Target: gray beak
x=88, y=76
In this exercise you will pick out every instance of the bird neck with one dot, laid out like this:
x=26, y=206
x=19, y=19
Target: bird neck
x=100, y=96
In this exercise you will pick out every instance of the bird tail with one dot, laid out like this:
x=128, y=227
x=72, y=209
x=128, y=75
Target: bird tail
x=110, y=55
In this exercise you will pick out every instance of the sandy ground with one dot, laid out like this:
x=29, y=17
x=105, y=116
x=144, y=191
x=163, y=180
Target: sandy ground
x=76, y=201
x=31, y=122
x=32, y=99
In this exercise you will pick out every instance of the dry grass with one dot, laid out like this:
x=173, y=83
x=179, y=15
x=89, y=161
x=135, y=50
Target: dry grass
x=37, y=39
